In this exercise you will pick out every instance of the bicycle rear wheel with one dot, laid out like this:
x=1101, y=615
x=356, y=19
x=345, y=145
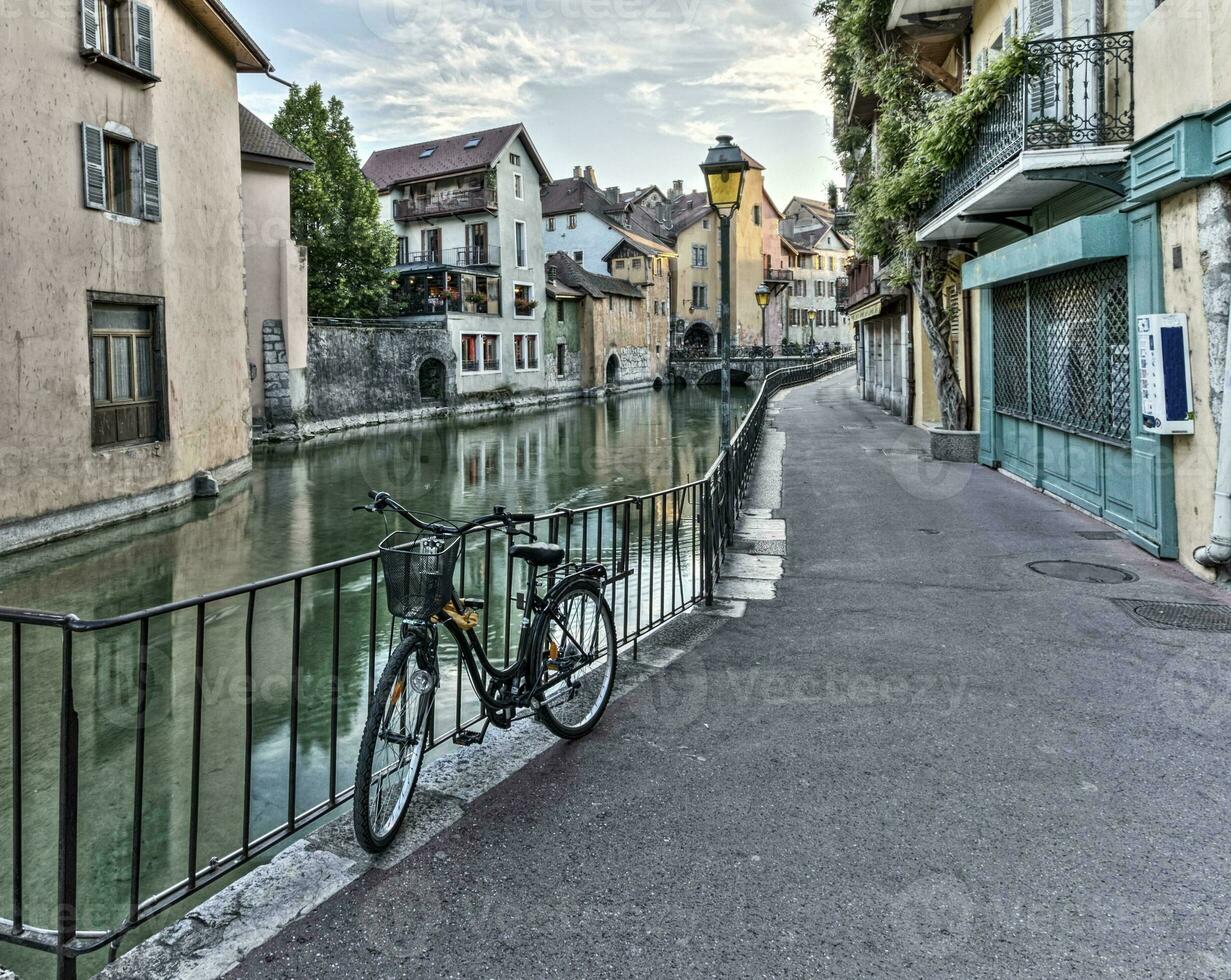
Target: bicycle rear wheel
x=577, y=647
x=395, y=739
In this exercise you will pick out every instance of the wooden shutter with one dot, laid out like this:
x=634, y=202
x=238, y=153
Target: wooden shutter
x=143, y=37
x=151, y=191
x=94, y=167
x=1044, y=21
x=89, y=25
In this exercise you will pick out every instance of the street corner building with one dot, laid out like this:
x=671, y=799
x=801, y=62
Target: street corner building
x=1092, y=210
x=126, y=383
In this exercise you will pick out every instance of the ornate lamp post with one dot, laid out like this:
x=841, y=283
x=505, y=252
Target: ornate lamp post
x=763, y=302
x=725, y=170
x=812, y=328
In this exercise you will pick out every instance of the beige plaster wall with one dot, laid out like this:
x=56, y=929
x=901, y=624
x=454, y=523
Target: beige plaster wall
x=1196, y=456
x=275, y=273
x=53, y=249
x=1180, y=40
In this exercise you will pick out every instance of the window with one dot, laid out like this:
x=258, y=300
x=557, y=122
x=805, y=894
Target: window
x=519, y=237
x=756, y=214
x=491, y=352
x=559, y=311
x=126, y=372
x=831, y=263
x=121, y=31
x=427, y=153
x=430, y=244
x=700, y=256
x=519, y=189
x=526, y=351
x=523, y=300
x=636, y=263
x=572, y=221
x=470, y=353
x=403, y=250
x=515, y=159
x=473, y=142
x=120, y=175
x=658, y=267
x=561, y=356
x=579, y=257
x=619, y=263
x=700, y=296
x=705, y=223
x=819, y=287
x=551, y=224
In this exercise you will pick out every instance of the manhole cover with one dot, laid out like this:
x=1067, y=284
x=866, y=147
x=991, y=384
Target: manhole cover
x=1081, y=571
x=1100, y=535
x=1207, y=617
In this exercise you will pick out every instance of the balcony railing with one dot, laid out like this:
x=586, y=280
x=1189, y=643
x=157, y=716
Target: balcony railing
x=464, y=258
x=1078, y=93
x=419, y=206
x=779, y=275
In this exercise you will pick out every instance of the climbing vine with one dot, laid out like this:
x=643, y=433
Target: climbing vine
x=894, y=171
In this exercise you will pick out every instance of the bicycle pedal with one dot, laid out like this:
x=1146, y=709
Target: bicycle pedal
x=468, y=738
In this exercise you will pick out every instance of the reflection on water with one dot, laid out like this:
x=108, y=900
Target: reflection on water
x=294, y=511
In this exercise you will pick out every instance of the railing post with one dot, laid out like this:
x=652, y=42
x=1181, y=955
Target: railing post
x=66, y=886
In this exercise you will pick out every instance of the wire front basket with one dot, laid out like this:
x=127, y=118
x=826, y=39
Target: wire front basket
x=418, y=573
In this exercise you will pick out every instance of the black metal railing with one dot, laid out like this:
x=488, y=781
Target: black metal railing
x=1077, y=93
x=465, y=258
x=417, y=206
x=318, y=631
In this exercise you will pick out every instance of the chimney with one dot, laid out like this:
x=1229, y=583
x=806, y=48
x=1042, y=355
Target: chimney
x=677, y=189
x=613, y=195
x=591, y=176
x=577, y=173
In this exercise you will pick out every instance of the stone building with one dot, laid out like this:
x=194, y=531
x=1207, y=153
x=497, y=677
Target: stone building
x=122, y=244
x=616, y=334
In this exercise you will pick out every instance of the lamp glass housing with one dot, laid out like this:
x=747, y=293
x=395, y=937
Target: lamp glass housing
x=725, y=170
x=762, y=297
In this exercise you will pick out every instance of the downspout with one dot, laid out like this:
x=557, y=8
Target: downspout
x=1218, y=551
x=909, y=407
x=968, y=358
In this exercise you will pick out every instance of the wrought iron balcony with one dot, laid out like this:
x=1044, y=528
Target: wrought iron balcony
x=460, y=258
x=417, y=207
x=1077, y=93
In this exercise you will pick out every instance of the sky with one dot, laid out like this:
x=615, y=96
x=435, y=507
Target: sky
x=636, y=88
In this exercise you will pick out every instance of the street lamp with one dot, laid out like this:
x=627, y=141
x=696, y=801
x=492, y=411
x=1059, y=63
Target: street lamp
x=725, y=170
x=763, y=302
x=812, y=328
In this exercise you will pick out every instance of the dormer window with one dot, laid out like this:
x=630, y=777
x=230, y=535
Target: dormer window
x=427, y=153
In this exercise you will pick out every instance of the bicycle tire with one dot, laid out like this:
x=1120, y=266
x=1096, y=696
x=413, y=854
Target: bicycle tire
x=375, y=839
x=549, y=702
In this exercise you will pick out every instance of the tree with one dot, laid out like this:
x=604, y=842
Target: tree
x=831, y=196
x=335, y=211
x=918, y=138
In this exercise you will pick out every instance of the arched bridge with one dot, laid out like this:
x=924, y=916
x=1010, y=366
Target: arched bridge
x=708, y=370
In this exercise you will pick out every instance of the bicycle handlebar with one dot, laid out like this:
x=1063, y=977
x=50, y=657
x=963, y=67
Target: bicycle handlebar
x=382, y=501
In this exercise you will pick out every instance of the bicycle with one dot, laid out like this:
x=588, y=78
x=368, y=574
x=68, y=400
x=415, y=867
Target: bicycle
x=563, y=675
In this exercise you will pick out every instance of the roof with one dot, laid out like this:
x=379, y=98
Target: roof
x=575, y=194
x=646, y=246
x=564, y=270
x=226, y=30
x=260, y=144
x=818, y=208
x=690, y=208
x=450, y=156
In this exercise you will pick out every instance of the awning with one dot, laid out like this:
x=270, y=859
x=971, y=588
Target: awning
x=866, y=312
x=1080, y=241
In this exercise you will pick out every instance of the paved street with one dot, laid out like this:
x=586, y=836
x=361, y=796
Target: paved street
x=923, y=759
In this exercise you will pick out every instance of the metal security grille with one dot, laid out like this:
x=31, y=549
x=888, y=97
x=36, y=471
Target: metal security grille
x=1062, y=350
x=1011, y=348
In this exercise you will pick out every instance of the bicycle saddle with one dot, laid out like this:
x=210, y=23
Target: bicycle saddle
x=539, y=555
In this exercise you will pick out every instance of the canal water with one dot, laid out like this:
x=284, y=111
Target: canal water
x=292, y=512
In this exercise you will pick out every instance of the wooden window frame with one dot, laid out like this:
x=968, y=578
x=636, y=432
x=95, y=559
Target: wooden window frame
x=156, y=307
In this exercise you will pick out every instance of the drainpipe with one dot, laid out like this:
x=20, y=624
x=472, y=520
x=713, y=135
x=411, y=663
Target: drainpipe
x=1218, y=551
x=909, y=408
x=968, y=357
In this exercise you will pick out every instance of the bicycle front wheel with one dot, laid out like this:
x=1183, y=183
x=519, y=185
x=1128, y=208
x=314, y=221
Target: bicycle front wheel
x=577, y=647
x=395, y=738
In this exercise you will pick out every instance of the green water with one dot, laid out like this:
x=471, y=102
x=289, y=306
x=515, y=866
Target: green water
x=292, y=512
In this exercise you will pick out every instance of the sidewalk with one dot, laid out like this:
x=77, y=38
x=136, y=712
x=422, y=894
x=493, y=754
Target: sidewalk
x=922, y=760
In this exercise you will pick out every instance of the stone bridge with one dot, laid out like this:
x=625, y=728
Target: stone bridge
x=708, y=370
